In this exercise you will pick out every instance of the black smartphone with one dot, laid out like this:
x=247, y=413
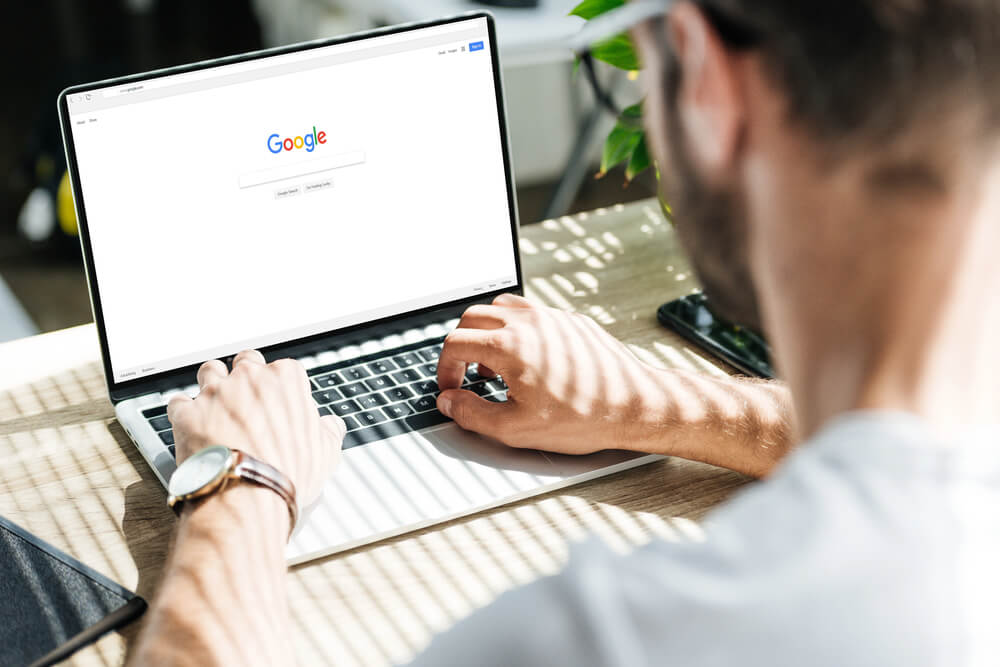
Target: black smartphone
x=741, y=348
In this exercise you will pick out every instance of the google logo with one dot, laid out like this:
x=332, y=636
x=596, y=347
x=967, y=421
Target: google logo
x=276, y=144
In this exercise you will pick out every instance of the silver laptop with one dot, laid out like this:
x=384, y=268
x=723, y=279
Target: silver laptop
x=340, y=202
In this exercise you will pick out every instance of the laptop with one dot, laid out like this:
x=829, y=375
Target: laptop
x=340, y=202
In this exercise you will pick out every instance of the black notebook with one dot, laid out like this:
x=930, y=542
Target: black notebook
x=50, y=603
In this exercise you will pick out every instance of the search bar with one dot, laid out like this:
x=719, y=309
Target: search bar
x=284, y=172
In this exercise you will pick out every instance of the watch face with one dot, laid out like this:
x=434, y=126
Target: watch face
x=200, y=469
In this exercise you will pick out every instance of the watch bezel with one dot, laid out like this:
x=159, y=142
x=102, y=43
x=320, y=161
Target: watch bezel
x=208, y=487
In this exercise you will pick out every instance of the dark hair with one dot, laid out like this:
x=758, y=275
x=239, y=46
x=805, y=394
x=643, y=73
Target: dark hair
x=873, y=68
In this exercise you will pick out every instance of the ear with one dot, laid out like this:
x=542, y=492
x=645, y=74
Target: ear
x=710, y=104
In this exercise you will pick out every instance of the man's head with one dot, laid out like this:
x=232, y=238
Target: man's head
x=765, y=116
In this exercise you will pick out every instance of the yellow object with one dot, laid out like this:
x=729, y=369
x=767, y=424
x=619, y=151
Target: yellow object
x=64, y=206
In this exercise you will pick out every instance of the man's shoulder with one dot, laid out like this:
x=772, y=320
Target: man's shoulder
x=855, y=549
x=868, y=482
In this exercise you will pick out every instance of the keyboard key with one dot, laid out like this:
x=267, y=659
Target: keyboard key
x=324, y=411
x=160, y=423
x=381, y=366
x=321, y=370
x=426, y=387
x=167, y=437
x=479, y=388
x=149, y=413
x=409, y=375
x=379, y=383
x=173, y=450
x=328, y=380
x=425, y=419
x=496, y=398
x=496, y=385
x=430, y=353
x=472, y=373
x=363, y=436
x=355, y=389
x=398, y=410
x=356, y=373
x=370, y=418
x=327, y=396
x=389, y=428
x=344, y=408
x=424, y=403
x=351, y=423
x=398, y=394
x=407, y=360
x=369, y=401
x=430, y=370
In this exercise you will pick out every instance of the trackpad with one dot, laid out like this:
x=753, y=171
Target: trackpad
x=457, y=443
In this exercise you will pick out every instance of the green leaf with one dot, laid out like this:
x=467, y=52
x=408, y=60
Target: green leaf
x=588, y=9
x=619, y=146
x=639, y=161
x=617, y=52
x=633, y=112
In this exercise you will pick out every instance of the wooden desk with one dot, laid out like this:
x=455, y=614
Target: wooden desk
x=69, y=474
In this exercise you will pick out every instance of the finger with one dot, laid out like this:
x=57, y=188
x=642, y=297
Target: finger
x=293, y=371
x=512, y=301
x=464, y=346
x=176, y=407
x=211, y=372
x=474, y=413
x=485, y=372
x=482, y=316
x=335, y=425
x=248, y=356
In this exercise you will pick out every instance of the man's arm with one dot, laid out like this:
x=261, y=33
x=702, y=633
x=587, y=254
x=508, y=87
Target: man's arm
x=223, y=599
x=574, y=389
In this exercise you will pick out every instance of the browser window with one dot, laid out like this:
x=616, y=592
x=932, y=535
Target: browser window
x=260, y=202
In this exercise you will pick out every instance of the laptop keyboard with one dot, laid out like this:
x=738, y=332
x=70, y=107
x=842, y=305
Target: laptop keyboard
x=378, y=395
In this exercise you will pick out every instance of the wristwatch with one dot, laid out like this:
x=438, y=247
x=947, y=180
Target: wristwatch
x=211, y=469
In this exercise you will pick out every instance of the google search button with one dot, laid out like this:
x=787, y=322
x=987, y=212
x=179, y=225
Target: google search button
x=475, y=46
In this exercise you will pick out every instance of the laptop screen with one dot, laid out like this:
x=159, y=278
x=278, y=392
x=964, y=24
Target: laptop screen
x=271, y=199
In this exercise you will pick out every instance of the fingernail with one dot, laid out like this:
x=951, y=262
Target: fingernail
x=444, y=405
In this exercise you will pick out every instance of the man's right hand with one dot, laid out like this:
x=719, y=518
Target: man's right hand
x=574, y=389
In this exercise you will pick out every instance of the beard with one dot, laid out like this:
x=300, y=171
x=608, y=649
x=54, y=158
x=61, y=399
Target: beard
x=711, y=224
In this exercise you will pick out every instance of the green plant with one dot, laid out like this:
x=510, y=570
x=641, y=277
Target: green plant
x=626, y=144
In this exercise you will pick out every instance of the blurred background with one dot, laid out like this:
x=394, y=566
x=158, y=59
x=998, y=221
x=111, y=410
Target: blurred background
x=556, y=130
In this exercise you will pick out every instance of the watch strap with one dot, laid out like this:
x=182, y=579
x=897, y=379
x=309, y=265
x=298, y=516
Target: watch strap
x=256, y=471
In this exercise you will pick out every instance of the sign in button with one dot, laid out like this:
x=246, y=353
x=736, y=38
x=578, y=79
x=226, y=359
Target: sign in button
x=475, y=46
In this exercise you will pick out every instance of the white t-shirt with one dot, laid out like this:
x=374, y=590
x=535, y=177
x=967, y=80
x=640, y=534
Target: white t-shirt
x=872, y=545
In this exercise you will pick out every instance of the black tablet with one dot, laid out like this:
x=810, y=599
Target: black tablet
x=52, y=604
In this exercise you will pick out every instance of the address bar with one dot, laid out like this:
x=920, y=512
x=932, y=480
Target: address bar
x=373, y=43
x=284, y=172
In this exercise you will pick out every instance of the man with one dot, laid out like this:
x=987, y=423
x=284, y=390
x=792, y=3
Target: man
x=837, y=164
